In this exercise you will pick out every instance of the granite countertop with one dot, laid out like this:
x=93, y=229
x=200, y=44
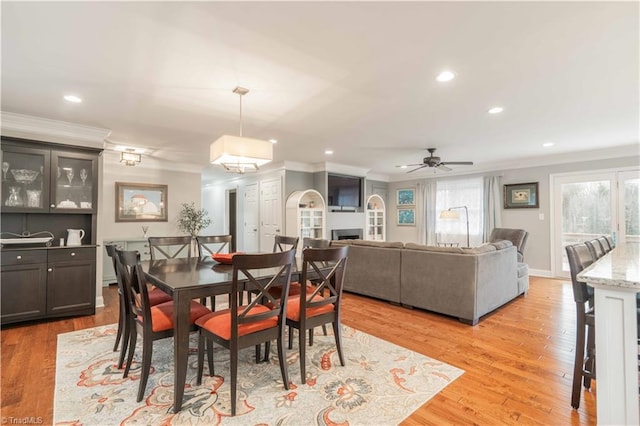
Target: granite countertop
x=618, y=268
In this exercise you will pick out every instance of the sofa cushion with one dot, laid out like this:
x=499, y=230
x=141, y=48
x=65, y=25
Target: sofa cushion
x=382, y=244
x=502, y=244
x=484, y=248
x=414, y=246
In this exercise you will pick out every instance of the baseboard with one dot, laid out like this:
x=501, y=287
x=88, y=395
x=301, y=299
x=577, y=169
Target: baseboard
x=540, y=273
x=100, y=302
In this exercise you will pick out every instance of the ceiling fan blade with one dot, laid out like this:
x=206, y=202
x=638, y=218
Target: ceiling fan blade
x=458, y=163
x=444, y=168
x=410, y=165
x=418, y=168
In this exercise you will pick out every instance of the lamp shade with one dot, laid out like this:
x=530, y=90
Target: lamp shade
x=449, y=214
x=238, y=150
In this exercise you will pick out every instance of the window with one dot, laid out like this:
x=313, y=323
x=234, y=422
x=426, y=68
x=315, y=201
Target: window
x=457, y=193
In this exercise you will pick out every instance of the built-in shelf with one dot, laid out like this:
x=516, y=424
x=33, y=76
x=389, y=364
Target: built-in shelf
x=375, y=227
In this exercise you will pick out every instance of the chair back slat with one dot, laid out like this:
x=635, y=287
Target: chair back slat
x=328, y=284
x=283, y=243
x=580, y=257
x=272, y=269
x=610, y=241
x=605, y=244
x=160, y=246
x=134, y=283
x=205, y=244
x=595, y=248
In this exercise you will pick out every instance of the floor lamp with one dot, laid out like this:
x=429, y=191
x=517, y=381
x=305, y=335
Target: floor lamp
x=451, y=214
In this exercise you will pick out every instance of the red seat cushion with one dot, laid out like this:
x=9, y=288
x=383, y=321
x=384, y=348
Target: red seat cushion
x=224, y=258
x=157, y=296
x=162, y=315
x=293, y=308
x=219, y=323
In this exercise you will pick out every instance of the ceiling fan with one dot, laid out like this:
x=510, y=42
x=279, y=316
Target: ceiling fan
x=434, y=161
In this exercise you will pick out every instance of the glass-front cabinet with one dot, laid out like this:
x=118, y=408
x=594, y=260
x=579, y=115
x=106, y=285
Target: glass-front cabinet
x=73, y=180
x=41, y=180
x=305, y=215
x=25, y=179
x=375, y=217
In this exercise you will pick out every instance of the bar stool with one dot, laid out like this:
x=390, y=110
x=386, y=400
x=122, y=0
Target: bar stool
x=584, y=367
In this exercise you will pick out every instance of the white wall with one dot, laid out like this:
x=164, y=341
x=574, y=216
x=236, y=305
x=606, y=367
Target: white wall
x=537, y=251
x=183, y=187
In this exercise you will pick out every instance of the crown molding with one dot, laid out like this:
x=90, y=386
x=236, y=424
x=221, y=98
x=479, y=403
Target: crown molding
x=30, y=127
x=341, y=168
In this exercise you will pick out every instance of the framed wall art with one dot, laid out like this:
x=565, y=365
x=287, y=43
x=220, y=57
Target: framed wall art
x=407, y=217
x=141, y=202
x=521, y=196
x=406, y=197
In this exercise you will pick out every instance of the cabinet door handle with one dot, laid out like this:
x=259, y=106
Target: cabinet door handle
x=18, y=257
x=50, y=269
x=73, y=254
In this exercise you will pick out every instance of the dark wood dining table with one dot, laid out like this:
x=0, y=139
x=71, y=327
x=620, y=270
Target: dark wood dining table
x=186, y=279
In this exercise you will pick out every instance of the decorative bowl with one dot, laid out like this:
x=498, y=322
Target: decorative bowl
x=24, y=176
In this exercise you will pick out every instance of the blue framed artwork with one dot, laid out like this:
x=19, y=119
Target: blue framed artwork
x=406, y=217
x=406, y=197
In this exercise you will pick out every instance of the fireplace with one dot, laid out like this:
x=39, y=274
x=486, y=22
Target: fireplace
x=346, y=234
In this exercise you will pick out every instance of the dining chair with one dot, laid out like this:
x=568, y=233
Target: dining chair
x=213, y=244
x=122, y=314
x=584, y=367
x=151, y=322
x=322, y=306
x=605, y=244
x=595, y=248
x=610, y=241
x=284, y=243
x=239, y=327
x=169, y=247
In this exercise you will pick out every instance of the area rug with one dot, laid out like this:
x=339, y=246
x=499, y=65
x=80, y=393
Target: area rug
x=381, y=384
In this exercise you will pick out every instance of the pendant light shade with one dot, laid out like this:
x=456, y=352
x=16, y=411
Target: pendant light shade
x=238, y=154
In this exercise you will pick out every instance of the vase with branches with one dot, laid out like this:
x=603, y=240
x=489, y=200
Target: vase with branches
x=193, y=220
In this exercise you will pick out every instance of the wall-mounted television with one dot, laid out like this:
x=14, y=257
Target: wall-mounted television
x=344, y=191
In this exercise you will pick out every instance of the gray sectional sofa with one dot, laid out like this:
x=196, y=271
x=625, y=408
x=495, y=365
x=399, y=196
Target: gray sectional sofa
x=464, y=283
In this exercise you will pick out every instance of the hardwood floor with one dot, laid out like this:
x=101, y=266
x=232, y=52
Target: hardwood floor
x=518, y=361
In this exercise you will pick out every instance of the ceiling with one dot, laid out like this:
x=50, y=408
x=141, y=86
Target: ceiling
x=357, y=78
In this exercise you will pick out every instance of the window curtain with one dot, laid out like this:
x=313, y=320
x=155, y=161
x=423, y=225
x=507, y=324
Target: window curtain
x=492, y=205
x=426, y=221
x=462, y=193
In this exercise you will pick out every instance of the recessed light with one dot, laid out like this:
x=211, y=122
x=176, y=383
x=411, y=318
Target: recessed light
x=548, y=144
x=445, y=76
x=496, y=110
x=72, y=98
x=273, y=141
x=328, y=152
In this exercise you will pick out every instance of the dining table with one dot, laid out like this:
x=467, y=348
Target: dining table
x=615, y=278
x=192, y=278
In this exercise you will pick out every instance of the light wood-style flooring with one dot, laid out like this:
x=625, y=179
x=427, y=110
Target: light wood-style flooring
x=518, y=360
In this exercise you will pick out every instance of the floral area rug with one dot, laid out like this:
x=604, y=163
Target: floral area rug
x=380, y=384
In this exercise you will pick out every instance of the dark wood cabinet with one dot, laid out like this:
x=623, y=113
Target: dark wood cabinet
x=24, y=285
x=69, y=273
x=47, y=189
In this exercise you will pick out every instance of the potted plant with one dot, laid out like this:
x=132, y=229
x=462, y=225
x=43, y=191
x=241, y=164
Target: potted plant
x=192, y=220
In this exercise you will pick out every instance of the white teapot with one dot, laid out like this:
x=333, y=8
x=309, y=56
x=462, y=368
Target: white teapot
x=74, y=237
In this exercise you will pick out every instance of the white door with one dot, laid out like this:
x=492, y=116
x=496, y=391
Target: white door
x=270, y=212
x=250, y=205
x=589, y=205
